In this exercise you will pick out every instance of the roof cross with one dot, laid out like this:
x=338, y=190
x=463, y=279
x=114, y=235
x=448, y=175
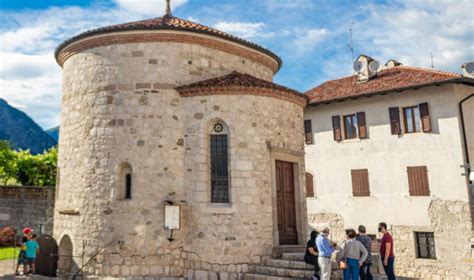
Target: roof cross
x=168, y=8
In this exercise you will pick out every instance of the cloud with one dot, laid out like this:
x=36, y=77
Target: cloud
x=244, y=29
x=273, y=5
x=412, y=30
x=307, y=40
x=152, y=8
x=32, y=84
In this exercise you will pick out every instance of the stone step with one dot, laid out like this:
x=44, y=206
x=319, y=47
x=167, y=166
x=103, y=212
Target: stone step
x=252, y=276
x=293, y=256
x=27, y=277
x=279, y=250
x=289, y=264
x=283, y=272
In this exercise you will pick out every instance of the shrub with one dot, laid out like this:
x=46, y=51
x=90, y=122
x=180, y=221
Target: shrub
x=7, y=237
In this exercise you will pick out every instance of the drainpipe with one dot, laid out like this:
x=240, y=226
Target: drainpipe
x=464, y=138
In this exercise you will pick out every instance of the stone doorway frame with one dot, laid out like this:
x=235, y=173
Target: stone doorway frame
x=297, y=158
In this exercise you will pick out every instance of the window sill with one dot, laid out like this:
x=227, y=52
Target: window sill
x=352, y=140
x=425, y=260
x=223, y=208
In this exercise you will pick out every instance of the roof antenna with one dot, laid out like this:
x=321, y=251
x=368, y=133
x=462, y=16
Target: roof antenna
x=350, y=45
x=168, y=8
x=432, y=60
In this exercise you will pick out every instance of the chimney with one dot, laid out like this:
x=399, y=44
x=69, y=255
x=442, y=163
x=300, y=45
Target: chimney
x=392, y=63
x=468, y=70
x=365, y=68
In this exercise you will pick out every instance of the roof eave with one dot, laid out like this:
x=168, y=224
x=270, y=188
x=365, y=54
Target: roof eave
x=237, y=40
x=461, y=80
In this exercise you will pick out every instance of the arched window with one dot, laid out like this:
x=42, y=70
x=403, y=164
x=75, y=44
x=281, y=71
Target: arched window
x=128, y=186
x=125, y=181
x=219, y=156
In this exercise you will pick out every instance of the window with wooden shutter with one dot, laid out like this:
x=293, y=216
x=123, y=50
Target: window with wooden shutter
x=425, y=245
x=425, y=117
x=350, y=126
x=394, y=114
x=411, y=119
x=309, y=185
x=360, y=182
x=418, y=181
x=336, y=128
x=361, y=125
x=308, y=132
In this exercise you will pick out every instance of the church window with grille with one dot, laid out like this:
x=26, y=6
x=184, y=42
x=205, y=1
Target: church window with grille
x=219, y=150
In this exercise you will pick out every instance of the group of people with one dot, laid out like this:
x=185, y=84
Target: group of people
x=29, y=248
x=354, y=255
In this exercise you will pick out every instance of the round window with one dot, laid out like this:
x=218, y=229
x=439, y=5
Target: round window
x=218, y=127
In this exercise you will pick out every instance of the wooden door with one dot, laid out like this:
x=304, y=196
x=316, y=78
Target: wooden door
x=285, y=187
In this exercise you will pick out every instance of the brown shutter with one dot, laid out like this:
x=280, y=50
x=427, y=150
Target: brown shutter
x=309, y=185
x=425, y=117
x=360, y=182
x=361, y=125
x=418, y=181
x=395, y=120
x=336, y=128
x=308, y=133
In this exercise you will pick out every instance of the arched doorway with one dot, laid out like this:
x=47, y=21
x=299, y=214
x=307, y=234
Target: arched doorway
x=65, y=260
x=47, y=259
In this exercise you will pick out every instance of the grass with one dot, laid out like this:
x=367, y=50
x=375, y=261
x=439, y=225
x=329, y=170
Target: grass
x=9, y=253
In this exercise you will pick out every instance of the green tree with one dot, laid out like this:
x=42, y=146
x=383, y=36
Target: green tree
x=8, y=168
x=37, y=170
x=27, y=169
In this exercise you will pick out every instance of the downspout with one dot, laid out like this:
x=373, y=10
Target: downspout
x=464, y=137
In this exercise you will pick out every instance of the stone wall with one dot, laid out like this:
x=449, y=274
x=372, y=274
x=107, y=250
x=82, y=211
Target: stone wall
x=22, y=207
x=119, y=108
x=451, y=225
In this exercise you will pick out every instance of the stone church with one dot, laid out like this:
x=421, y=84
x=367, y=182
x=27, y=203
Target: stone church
x=167, y=112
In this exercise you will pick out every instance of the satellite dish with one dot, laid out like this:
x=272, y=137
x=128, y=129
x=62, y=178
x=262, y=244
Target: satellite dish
x=374, y=66
x=469, y=67
x=358, y=66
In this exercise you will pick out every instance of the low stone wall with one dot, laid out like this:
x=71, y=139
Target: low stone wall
x=27, y=207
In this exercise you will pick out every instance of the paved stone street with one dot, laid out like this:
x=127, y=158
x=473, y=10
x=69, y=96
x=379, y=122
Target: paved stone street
x=7, y=269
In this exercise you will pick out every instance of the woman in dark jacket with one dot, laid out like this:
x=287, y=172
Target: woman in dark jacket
x=311, y=256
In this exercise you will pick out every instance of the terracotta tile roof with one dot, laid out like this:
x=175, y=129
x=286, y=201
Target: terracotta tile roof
x=168, y=22
x=393, y=79
x=240, y=82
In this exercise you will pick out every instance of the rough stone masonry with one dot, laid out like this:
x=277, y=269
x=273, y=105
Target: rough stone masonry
x=121, y=114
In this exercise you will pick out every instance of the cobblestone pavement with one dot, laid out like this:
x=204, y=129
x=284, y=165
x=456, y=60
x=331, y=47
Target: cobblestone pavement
x=7, y=269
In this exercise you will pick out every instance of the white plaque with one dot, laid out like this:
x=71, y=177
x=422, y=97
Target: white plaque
x=172, y=217
x=4, y=216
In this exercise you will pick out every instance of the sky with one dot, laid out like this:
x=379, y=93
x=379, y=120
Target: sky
x=311, y=37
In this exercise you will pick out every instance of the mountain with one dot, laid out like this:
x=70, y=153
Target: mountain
x=54, y=133
x=21, y=131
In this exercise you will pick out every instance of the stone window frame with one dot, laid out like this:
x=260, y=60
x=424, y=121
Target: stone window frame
x=124, y=170
x=219, y=127
x=430, y=247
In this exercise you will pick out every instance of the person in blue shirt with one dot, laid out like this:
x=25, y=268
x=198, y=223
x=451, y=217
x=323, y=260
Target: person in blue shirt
x=325, y=248
x=32, y=248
